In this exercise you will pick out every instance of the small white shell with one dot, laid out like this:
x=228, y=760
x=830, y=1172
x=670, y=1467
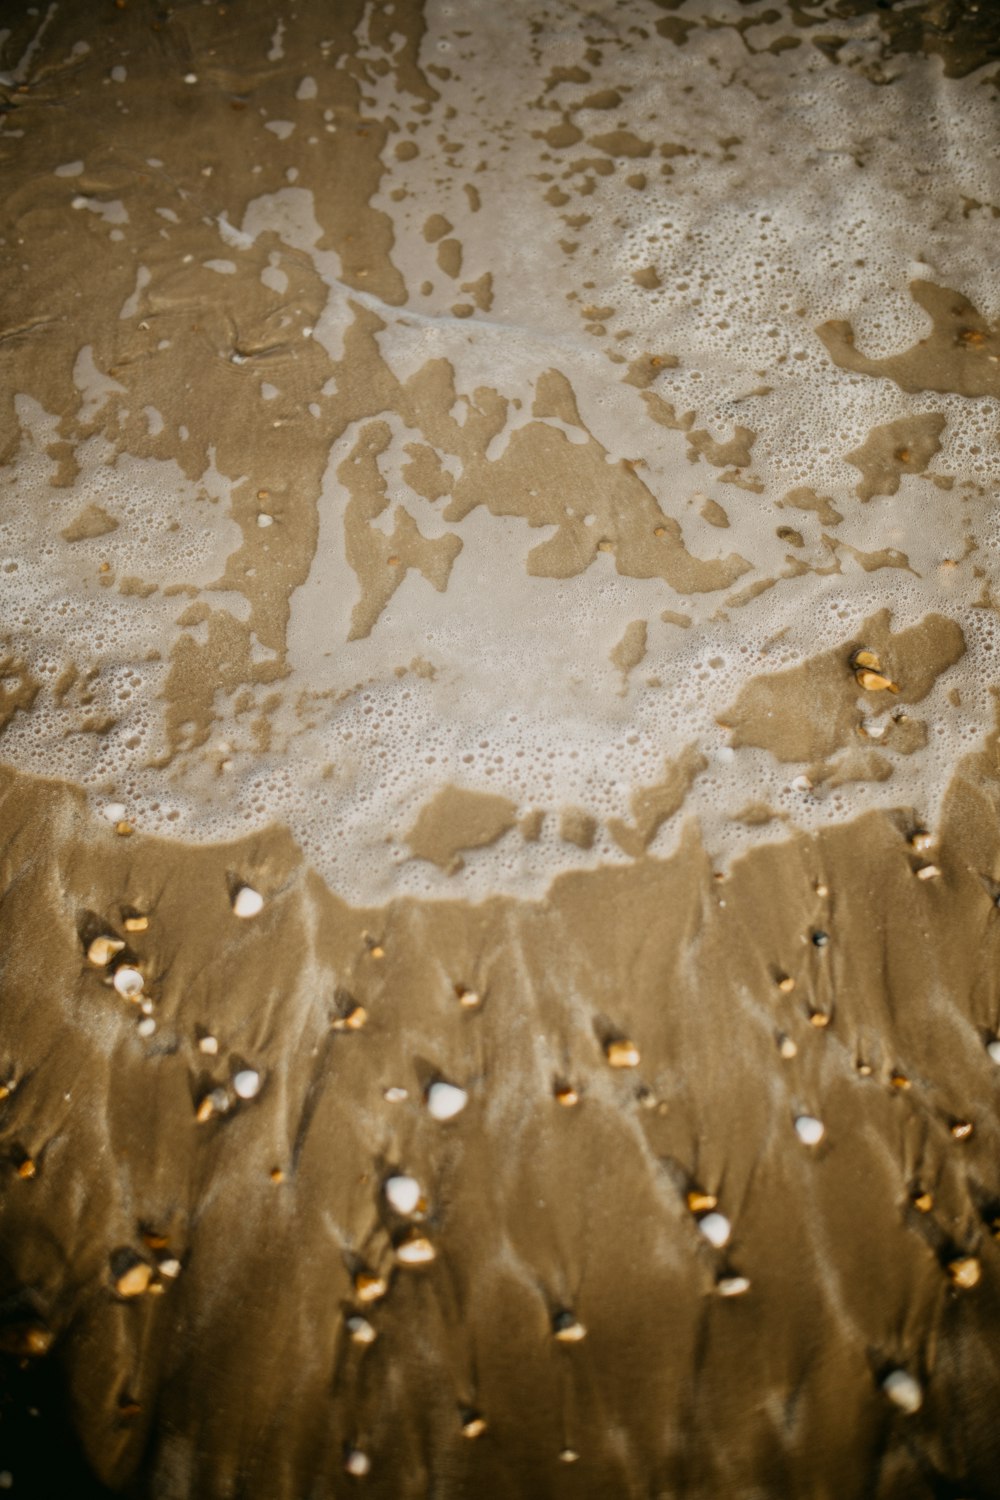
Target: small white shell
x=402, y=1193
x=128, y=981
x=247, y=902
x=247, y=1083
x=415, y=1250
x=903, y=1391
x=716, y=1228
x=445, y=1100
x=809, y=1130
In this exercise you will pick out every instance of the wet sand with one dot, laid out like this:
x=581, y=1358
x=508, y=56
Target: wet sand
x=499, y=857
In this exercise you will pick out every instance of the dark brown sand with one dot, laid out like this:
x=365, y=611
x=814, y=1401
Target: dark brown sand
x=718, y=1217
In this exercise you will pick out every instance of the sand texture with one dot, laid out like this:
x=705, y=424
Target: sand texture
x=499, y=750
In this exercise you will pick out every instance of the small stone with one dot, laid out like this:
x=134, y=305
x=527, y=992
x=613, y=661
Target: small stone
x=965, y=1272
x=360, y=1330
x=866, y=658
x=801, y=784
x=369, y=1287
x=961, y=1130
x=27, y=1169
x=471, y=999
x=993, y=1050
x=357, y=1463
x=170, y=1267
x=923, y=1202
x=473, y=1425
x=415, y=1249
x=102, y=950
x=135, y=1280
x=276, y=1174
x=128, y=981
x=263, y=519
x=820, y=939
x=124, y=829
x=146, y=1026
x=136, y=922
x=920, y=840
x=568, y=1456
x=209, y=1045
x=190, y=78
x=247, y=902
x=786, y=984
x=567, y=1095
x=567, y=1328
x=716, y=1229
x=216, y=1102
x=787, y=1048
x=819, y=1019
x=356, y=1019
x=732, y=1286
x=621, y=1053
x=822, y=890
x=899, y=1081
x=927, y=872
x=874, y=682
x=445, y=1100
x=809, y=1130
x=903, y=1391
x=701, y=1203
x=402, y=1193
x=395, y=1095
x=246, y=1083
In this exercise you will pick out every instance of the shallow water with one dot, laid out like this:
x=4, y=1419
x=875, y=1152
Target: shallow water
x=451, y=459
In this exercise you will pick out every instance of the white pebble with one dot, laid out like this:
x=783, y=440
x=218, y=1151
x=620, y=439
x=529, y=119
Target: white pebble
x=361, y=1330
x=445, y=1100
x=357, y=1463
x=114, y=811
x=993, y=1050
x=402, y=1192
x=247, y=1083
x=395, y=1095
x=190, y=78
x=904, y=1391
x=732, y=1286
x=146, y=1026
x=809, y=1130
x=170, y=1267
x=264, y=519
x=247, y=902
x=128, y=981
x=716, y=1228
x=209, y=1044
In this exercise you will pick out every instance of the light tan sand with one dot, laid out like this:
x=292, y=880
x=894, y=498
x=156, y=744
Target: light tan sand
x=475, y=708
